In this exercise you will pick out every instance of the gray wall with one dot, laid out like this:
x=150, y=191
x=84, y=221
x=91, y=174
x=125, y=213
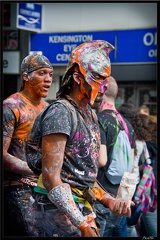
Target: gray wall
x=139, y=72
x=72, y=17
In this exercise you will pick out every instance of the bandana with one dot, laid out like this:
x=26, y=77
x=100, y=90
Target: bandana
x=91, y=57
x=34, y=62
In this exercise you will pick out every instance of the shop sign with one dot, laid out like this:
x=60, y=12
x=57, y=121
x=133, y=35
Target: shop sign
x=131, y=46
x=11, y=61
x=29, y=16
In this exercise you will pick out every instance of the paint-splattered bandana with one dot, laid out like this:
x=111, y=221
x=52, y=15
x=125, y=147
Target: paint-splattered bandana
x=92, y=57
x=34, y=62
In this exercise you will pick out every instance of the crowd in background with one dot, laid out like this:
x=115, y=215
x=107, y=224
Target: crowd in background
x=145, y=128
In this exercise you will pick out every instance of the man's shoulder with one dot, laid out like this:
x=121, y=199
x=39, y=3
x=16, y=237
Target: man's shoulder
x=12, y=97
x=13, y=101
x=60, y=107
x=106, y=114
x=108, y=123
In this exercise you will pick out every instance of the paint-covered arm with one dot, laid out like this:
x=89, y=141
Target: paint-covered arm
x=53, y=147
x=12, y=163
x=59, y=193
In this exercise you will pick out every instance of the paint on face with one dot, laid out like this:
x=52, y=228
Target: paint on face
x=94, y=76
x=103, y=86
x=97, y=86
x=91, y=57
x=91, y=90
x=85, y=89
x=40, y=81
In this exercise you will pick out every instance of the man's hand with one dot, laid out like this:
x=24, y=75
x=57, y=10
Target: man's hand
x=120, y=207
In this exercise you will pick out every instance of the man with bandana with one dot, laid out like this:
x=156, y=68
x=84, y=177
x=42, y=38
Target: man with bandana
x=19, y=112
x=70, y=145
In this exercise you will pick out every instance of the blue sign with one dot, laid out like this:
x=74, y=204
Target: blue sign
x=29, y=16
x=131, y=46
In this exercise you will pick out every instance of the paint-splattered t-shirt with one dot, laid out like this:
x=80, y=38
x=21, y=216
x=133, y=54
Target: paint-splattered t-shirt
x=80, y=164
x=109, y=132
x=19, y=114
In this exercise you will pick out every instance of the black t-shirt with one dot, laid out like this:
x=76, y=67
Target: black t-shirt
x=80, y=166
x=109, y=130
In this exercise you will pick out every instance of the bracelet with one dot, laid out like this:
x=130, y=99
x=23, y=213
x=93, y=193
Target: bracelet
x=62, y=197
x=98, y=193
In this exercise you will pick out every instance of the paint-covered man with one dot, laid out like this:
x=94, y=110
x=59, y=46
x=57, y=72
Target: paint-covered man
x=70, y=134
x=19, y=112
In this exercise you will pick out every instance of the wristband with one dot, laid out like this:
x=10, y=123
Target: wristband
x=89, y=221
x=106, y=198
x=98, y=193
x=62, y=197
x=83, y=225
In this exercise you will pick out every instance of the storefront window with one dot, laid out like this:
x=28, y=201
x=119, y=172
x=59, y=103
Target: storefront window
x=148, y=97
x=10, y=39
x=125, y=95
x=6, y=14
x=138, y=95
x=10, y=34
